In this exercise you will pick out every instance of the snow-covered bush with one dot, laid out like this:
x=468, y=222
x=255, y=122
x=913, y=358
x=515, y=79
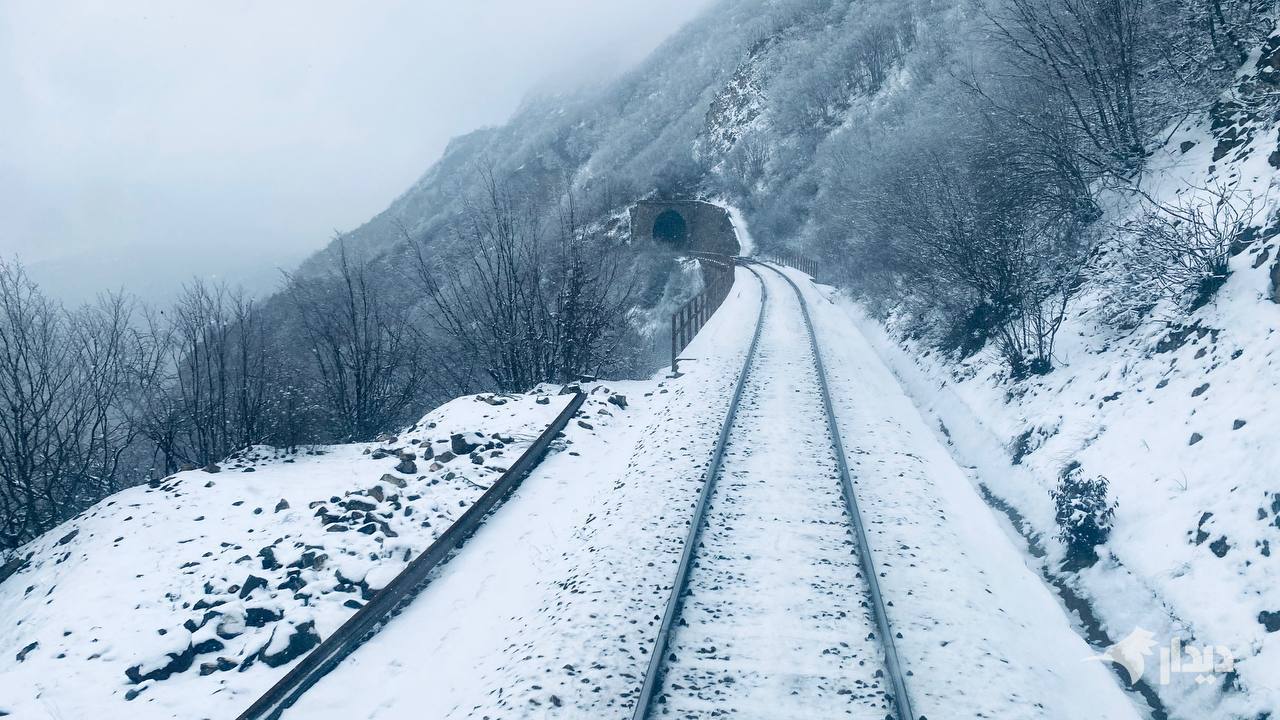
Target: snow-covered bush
x=1084, y=513
x=1180, y=249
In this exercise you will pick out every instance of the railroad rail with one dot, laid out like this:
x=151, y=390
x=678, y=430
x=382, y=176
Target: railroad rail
x=400, y=591
x=662, y=656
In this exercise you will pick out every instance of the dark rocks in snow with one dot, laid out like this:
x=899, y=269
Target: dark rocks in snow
x=1201, y=533
x=1238, y=424
x=1220, y=547
x=221, y=665
x=378, y=455
x=269, y=561
x=619, y=400
x=212, y=468
x=24, y=652
x=1275, y=276
x=393, y=480
x=1195, y=438
x=178, y=662
x=302, y=639
x=257, y=617
x=282, y=505
x=1200, y=390
x=1270, y=620
x=251, y=583
x=407, y=466
x=544, y=400
x=68, y=537
x=460, y=445
x=586, y=425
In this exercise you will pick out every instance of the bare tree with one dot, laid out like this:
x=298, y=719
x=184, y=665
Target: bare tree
x=366, y=357
x=529, y=305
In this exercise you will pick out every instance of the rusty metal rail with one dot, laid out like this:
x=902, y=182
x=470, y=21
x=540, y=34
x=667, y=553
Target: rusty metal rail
x=369, y=619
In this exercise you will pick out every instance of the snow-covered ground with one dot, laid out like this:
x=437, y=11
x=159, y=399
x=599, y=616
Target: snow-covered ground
x=549, y=611
x=188, y=598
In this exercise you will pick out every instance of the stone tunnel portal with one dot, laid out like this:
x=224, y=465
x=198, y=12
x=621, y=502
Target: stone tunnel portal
x=684, y=226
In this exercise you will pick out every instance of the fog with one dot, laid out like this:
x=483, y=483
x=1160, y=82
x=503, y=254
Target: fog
x=145, y=142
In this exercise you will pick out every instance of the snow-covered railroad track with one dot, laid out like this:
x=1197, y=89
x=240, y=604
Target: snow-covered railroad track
x=774, y=612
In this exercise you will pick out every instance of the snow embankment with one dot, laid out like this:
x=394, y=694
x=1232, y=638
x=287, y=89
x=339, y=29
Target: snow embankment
x=189, y=597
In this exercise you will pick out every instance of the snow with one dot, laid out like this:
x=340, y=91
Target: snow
x=163, y=576
x=548, y=608
x=1177, y=415
x=746, y=244
x=776, y=623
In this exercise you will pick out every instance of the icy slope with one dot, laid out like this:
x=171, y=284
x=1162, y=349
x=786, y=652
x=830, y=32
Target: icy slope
x=187, y=598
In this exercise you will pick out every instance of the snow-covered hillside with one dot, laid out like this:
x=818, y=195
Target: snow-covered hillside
x=190, y=596
x=1178, y=414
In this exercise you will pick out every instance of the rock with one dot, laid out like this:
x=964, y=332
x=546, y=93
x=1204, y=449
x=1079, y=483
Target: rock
x=178, y=662
x=1200, y=390
x=585, y=424
x=269, y=561
x=1270, y=620
x=1220, y=547
x=377, y=494
x=1195, y=438
x=248, y=469
x=408, y=467
x=24, y=652
x=1275, y=273
x=369, y=528
x=210, y=645
x=445, y=457
x=1238, y=424
x=212, y=468
x=378, y=455
x=477, y=458
x=619, y=400
x=1201, y=533
x=282, y=505
x=259, y=617
x=460, y=445
x=251, y=583
x=393, y=480
x=544, y=400
x=358, y=504
x=425, y=451
x=68, y=537
x=302, y=639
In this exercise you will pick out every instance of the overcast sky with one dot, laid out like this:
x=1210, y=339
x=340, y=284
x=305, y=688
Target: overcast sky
x=144, y=141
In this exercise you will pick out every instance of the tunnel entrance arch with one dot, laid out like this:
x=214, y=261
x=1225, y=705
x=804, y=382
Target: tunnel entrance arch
x=670, y=227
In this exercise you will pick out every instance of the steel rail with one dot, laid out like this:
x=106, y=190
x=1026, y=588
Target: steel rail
x=654, y=673
x=893, y=665
x=400, y=591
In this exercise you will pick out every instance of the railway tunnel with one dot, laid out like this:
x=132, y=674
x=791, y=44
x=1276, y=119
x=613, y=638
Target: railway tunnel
x=685, y=226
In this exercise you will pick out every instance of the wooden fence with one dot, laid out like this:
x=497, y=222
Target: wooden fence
x=690, y=317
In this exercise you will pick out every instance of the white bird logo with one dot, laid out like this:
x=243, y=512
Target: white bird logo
x=1130, y=653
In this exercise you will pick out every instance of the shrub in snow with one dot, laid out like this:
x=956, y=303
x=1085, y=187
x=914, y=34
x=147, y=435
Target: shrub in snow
x=1084, y=513
x=1181, y=249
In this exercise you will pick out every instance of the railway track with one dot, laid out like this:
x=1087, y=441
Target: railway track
x=775, y=611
